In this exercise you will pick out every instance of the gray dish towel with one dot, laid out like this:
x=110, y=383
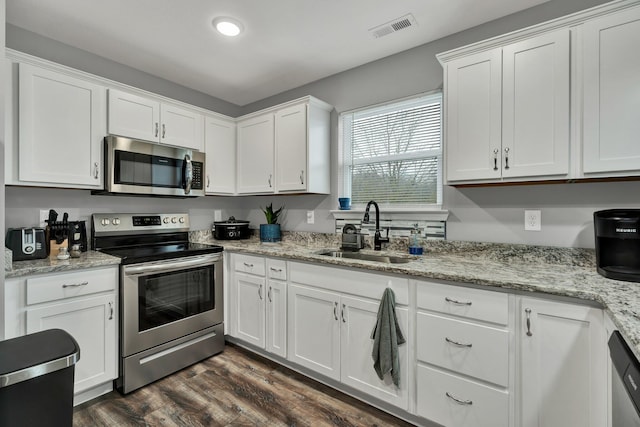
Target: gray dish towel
x=387, y=336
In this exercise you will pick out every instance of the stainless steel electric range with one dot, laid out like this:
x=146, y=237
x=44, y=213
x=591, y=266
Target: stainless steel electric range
x=171, y=294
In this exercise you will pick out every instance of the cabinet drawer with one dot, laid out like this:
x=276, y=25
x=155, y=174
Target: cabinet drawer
x=277, y=269
x=249, y=264
x=464, y=347
x=68, y=285
x=464, y=302
x=478, y=404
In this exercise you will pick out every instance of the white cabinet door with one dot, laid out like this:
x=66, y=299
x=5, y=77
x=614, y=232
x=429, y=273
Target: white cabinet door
x=277, y=318
x=61, y=126
x=181, y=127
x=535, y=107
x=611, y=99
x=133, y=116
x=249, y=308
x=220, y=149
x=358, y=318
x=92, y=323
x=562, y=365
x=314, y=329
x=255, y=155
x=473, y=117
x=291, y=148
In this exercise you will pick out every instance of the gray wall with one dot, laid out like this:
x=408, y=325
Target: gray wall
x=493, y=214
x=43, y=47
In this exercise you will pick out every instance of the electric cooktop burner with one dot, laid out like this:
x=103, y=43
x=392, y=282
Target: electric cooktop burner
x=138, y=238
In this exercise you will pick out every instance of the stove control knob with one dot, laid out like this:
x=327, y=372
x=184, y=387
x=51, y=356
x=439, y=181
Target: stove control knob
x=105, y=221
x=181, y=220
x=165, y=220
x=173, y=219
x=116, y=221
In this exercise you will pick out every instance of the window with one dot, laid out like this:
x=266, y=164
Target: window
x=392, y=153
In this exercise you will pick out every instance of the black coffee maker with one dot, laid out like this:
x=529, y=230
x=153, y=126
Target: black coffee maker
x=617, y=233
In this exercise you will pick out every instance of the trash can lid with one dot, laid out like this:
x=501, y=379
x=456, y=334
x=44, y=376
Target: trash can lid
x=37, y=349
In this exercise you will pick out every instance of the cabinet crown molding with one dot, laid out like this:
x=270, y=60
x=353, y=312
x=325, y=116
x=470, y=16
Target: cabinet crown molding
x=571, y=20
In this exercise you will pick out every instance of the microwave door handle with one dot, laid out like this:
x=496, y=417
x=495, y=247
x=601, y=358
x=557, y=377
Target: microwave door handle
x=188, y=174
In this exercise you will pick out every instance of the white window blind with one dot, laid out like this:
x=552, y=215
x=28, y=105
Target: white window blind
x=392, y=153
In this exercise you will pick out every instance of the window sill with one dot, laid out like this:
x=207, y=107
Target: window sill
x=427, y=214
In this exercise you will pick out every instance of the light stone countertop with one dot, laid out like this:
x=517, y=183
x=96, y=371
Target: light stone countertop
x=89, y=259
x=564, y=272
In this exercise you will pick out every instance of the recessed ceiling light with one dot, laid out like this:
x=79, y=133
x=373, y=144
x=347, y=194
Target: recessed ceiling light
x=227, y=26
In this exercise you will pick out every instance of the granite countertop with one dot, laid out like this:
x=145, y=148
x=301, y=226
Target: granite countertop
x=566, y=272
x=89, y=259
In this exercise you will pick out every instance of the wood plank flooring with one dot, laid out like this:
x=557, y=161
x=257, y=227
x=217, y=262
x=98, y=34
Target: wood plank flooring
x=234, y=388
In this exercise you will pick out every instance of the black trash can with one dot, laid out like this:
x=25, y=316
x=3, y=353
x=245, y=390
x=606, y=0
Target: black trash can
x=36, y=379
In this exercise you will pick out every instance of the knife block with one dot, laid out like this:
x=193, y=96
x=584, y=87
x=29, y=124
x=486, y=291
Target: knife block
x=54, y=247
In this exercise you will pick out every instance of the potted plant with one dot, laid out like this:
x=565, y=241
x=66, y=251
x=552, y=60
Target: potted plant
x=270, y=232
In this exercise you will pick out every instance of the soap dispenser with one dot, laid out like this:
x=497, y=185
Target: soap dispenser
x=415, y=241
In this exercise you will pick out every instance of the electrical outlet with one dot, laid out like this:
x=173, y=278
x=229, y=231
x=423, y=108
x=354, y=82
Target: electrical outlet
x=44, y=215
x=310, y=217
x=532, y=220
x=217, y=215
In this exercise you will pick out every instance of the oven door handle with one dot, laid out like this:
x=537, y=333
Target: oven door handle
x=179, y=264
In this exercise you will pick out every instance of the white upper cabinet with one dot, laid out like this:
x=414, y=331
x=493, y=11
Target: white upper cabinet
x=535, y=106
x=285, y=149
x=144, y=118
x=472, y=91
x=61, y=123
x=507, y=114
x=220, y=148
x=611, y=99
x=255, y=155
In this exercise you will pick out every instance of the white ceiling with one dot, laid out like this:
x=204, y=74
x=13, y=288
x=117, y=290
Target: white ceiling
x=286, y=43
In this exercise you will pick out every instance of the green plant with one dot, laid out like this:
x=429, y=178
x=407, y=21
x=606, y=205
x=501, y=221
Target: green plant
x=271, y=215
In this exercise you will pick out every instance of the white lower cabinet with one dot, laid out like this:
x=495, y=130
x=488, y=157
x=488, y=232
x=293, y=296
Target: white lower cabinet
x=329, y=330
x=459, y=402
x=258, y=314
x=82, y=303
x=562, y=365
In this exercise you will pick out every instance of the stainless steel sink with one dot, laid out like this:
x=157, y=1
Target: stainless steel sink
x=387, y=259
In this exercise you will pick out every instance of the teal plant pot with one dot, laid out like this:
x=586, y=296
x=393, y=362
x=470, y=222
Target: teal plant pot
x=270, y=233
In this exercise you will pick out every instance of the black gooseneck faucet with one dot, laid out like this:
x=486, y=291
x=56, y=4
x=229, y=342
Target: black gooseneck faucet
x=377, y=239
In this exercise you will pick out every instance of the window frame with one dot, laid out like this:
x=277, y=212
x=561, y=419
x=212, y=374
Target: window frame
x=344, y=176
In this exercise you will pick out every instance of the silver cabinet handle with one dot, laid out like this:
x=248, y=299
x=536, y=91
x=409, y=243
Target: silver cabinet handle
x=96, y=170
x=75, y=285
x=459, y=344
x=528, y=311
x=260, y=291
x=270, y=176
x=156, y=129
x=110, y=310
x=453, y=301
x=208, y=181
x=506, y=158
x=246, y=264
x=302, y=177
x=269, y=294
x=495, y=159
x=344, y=307
x=277, y=270
x=164, y=130
x=335, y=310
x=460, y=401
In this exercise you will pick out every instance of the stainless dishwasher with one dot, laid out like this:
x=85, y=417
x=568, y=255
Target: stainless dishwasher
x=625, y=383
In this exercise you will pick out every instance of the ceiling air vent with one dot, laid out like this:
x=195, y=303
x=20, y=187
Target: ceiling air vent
x=398, y=24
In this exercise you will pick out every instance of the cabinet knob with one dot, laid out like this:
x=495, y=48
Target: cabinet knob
x=456, y=302
x=459, y=344
x=302, y=177
x=270, y=176
x=528, y=312
x=110, y=310
x=460, y=401
x=260, y=291
x=164, y=130
x=495, y=159
x=208, y=181
x=506, y=157
x=344, y=307
x=335, y=310
x=156, y=129
x=269, y=294
x=96, y=170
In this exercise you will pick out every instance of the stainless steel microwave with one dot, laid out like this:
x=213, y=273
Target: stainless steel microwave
x=145, y=168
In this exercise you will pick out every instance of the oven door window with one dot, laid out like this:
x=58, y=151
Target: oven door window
x=167, y=297
x=147, y=170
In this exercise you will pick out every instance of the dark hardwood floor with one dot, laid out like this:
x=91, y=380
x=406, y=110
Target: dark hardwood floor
x=234, y=388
